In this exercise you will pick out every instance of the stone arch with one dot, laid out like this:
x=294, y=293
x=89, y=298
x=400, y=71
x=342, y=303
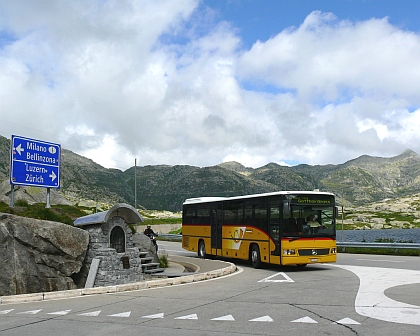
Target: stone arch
x=117, y=239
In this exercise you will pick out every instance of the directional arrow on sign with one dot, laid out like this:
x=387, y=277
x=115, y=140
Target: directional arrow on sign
x=53, y=176
x=19, y=149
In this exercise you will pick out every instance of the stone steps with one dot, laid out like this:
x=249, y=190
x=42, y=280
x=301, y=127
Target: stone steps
x=154, y=270
x=148, y=266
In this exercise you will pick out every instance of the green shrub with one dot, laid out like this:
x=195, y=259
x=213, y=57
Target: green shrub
x=179, y=231
x=4, y=207
x=163, y=261
x=22, y=203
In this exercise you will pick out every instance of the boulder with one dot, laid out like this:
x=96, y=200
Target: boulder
x=39, y=256
x=144, y=243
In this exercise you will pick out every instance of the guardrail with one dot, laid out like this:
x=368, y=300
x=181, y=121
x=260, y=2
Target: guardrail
x=395, y=246
x=170, y=237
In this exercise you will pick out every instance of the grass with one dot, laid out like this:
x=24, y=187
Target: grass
x=163, y=261
x=57, y=213
x=67, y=213
x=179, y=231
x=155, y=221
x=381, y=251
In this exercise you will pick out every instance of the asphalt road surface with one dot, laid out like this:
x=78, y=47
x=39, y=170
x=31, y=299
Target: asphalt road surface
x=359, y=295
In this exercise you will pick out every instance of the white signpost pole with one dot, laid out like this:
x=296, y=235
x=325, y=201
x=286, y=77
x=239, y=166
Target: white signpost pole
x=12, y=196
x=48, y=205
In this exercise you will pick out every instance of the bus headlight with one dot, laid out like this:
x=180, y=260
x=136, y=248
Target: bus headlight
x=289, y=252
x=333, y=250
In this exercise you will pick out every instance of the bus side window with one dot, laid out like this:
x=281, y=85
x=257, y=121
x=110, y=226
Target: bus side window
x=190, y=216
x=203, y=216
x=260, y=219
x=248, y=216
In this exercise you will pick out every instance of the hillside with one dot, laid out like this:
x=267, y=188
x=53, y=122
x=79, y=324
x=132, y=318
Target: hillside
x=362, y=180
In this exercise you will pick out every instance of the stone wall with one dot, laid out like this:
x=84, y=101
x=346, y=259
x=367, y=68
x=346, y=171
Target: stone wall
x=111, y=268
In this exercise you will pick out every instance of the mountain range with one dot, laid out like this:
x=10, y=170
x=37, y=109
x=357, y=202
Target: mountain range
x=162, y=187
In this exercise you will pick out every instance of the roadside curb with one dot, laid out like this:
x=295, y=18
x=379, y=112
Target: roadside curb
x=195, y=277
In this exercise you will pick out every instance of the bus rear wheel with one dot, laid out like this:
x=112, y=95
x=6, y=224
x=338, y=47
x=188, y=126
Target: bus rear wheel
x=255, y=256
x=201, y=250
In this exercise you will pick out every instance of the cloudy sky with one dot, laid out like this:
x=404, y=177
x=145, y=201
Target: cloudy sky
x=204, y=82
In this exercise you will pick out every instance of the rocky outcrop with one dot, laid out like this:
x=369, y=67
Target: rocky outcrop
x=39, y=256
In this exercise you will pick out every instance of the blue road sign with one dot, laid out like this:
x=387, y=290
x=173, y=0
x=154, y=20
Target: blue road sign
x=34, y=162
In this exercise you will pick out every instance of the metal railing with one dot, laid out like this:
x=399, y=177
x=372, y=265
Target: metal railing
x=396, y=246
x=170, y=237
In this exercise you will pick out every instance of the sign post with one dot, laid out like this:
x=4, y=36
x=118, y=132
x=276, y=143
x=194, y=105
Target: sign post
x=34, y=163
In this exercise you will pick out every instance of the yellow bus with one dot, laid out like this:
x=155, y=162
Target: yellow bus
x=282, y=228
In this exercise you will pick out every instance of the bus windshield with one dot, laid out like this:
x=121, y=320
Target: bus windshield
x=305, y=217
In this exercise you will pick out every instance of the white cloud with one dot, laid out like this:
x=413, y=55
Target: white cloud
x=160, y=82
x=325, y=59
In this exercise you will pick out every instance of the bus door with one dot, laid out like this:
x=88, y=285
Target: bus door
x=274, y=229
x=216, y=228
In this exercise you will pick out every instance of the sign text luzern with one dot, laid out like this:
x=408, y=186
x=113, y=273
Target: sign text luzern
x=34, y=162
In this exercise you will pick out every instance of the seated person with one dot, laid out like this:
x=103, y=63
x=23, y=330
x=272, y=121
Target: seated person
x=149, y=232
x=313, y=224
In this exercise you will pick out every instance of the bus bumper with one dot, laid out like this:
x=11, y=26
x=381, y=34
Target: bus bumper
x=304, y=260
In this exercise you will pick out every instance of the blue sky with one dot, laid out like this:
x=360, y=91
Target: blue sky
x=204, y=82
x=260, y=20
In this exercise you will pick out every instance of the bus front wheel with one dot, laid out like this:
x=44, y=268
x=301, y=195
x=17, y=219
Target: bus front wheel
x=255, y=256
x=201, y=249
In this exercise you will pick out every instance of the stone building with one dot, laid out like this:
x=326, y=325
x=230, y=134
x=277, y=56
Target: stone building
x=113, y=257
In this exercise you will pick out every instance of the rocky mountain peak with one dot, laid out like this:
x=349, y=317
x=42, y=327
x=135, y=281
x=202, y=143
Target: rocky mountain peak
x=161, y=187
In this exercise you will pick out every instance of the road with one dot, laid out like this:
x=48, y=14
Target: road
x=359, y=295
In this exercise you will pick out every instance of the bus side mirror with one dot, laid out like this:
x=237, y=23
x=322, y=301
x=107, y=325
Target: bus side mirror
x=286, y=208
x=335, y=212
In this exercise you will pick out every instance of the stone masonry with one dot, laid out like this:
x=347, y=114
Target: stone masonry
x=111, y=241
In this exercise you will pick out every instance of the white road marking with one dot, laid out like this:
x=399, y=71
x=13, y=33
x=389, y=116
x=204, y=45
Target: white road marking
x=224, y=318
x=187, y=317
x=262, y=319
x=6, y=311
x=160, y=315
x=266, y=318
x=285, y=278
x=346, y=321
x=371, y=300
x=63, y=312
x=95, y=313
x=386, y=260
x=31, y=312
x=305, y=319
x=126, y=314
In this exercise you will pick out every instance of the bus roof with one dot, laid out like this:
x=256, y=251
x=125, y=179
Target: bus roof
x=216, y=199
